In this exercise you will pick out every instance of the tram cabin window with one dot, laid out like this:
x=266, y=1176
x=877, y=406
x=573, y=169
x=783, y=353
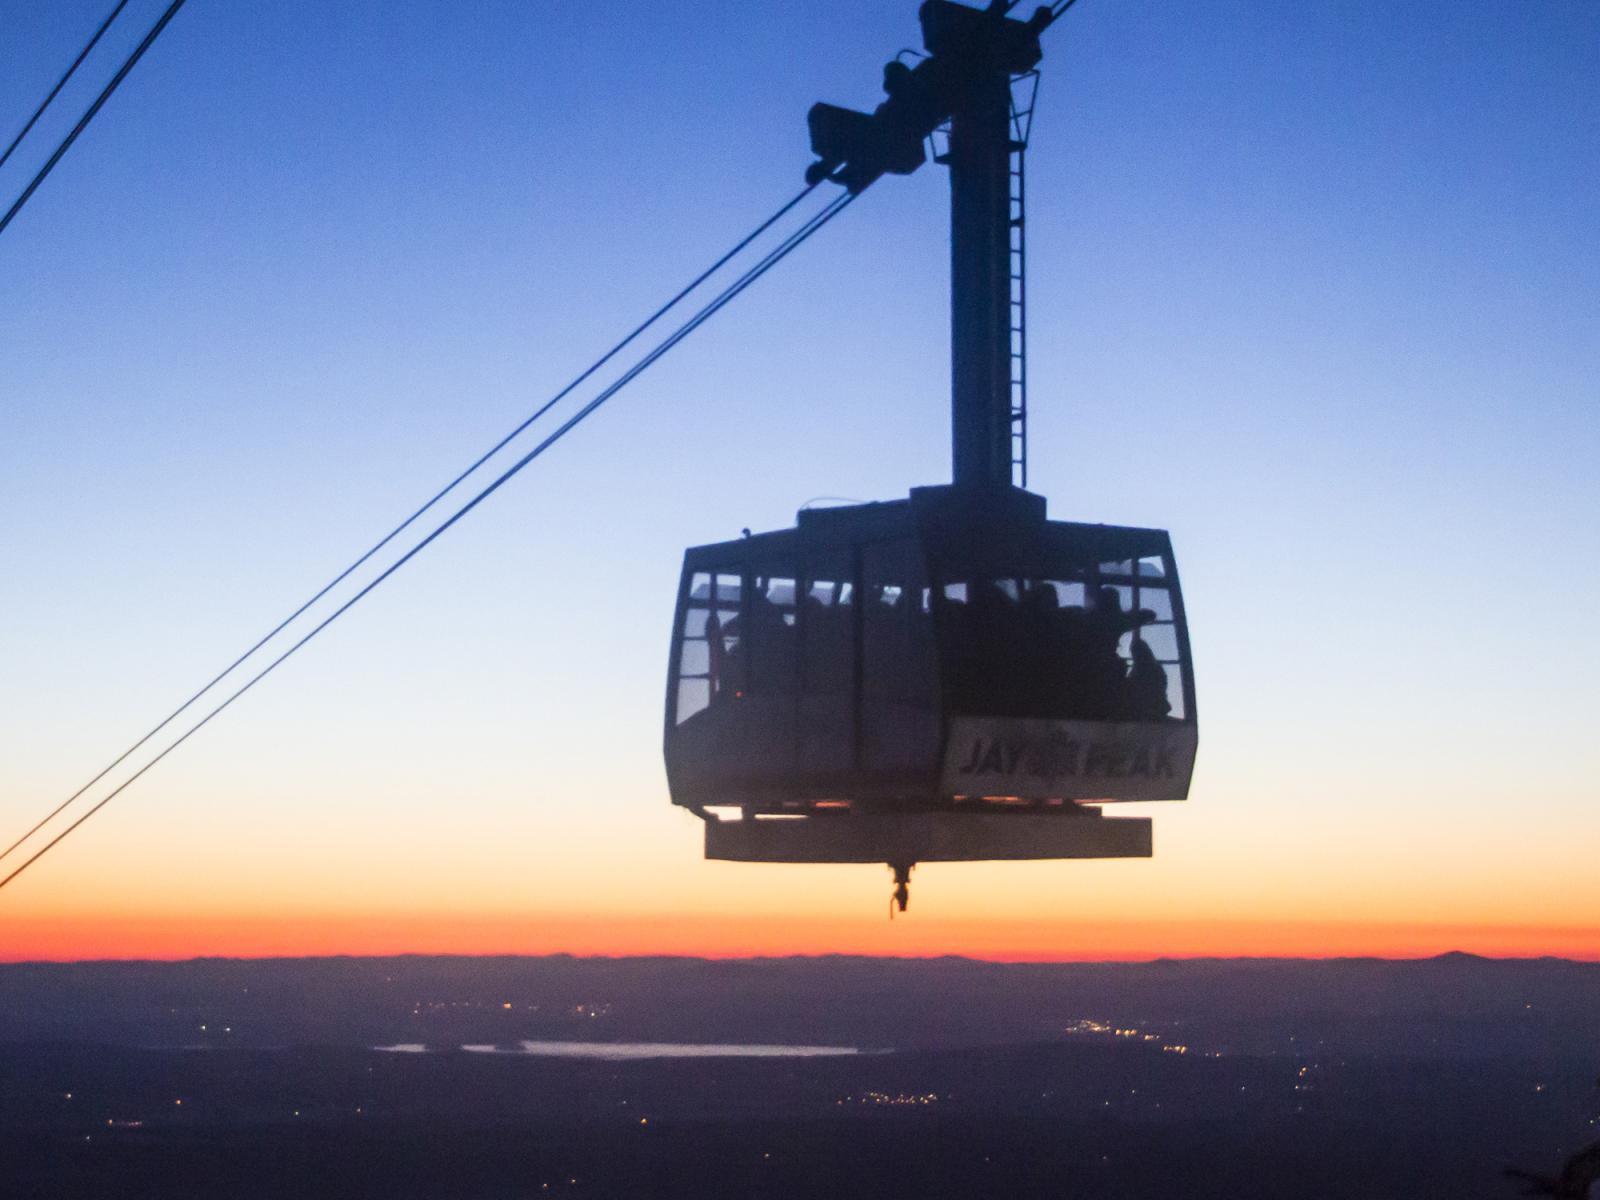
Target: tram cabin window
x=1155, y=667
x=1101, y=646
x=710, y=658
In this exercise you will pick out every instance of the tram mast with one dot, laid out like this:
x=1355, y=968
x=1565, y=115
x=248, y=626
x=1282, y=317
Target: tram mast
x=965, y=83
x=980, y=280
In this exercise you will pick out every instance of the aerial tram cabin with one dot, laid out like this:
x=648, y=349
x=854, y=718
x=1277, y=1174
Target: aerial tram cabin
x=952, y=676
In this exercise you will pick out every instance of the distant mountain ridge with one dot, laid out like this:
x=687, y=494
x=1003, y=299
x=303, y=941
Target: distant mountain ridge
x=1450, y=1006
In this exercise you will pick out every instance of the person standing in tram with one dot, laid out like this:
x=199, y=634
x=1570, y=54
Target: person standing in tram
x=1147, y=685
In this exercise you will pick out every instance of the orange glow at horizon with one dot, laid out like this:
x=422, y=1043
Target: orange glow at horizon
x=170, y=936
x=165, y=882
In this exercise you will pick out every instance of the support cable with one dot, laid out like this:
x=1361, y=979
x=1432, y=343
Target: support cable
x=62, y=82
x=83, y=121
x=433, y=500
x=772, y=258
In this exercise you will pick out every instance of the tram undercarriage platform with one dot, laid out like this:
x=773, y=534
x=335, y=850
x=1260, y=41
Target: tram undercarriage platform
x=928, y=837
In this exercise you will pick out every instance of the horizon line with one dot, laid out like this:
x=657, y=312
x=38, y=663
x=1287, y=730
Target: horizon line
x=184, y=960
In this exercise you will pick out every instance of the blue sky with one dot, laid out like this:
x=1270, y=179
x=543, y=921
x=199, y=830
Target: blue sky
x=1314, y=286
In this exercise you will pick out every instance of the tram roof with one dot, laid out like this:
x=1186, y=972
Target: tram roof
x=948, y=516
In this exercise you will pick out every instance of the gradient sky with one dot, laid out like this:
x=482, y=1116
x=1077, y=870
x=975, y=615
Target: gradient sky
x=1314, y=286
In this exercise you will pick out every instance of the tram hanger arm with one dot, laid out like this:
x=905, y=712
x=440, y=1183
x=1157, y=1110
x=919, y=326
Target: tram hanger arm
x=965, y=45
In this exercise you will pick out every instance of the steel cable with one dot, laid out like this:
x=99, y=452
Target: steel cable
x=616, y=349
x=83, y=121
x=770, y=260
x=62, y=82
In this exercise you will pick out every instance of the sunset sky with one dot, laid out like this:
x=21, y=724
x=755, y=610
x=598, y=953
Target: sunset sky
x=1314, y=286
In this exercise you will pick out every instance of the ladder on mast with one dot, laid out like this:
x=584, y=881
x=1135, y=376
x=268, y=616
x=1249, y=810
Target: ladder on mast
x=1024, y=92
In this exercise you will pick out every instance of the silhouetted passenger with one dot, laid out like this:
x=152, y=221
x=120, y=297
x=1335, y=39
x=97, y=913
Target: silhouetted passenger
x=1147, y=685
x=1073, y=642
x=773, y=647
x=1045, y=670
x=1102, y=673
x=723, y=641
x=1110, y=616
x=994, y=652
x=828, y=644
x=897, y=651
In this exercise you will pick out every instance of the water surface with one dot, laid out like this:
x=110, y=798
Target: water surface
x=624, y=1051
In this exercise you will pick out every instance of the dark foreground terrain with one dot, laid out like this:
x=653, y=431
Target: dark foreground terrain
x=1358, y=1079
